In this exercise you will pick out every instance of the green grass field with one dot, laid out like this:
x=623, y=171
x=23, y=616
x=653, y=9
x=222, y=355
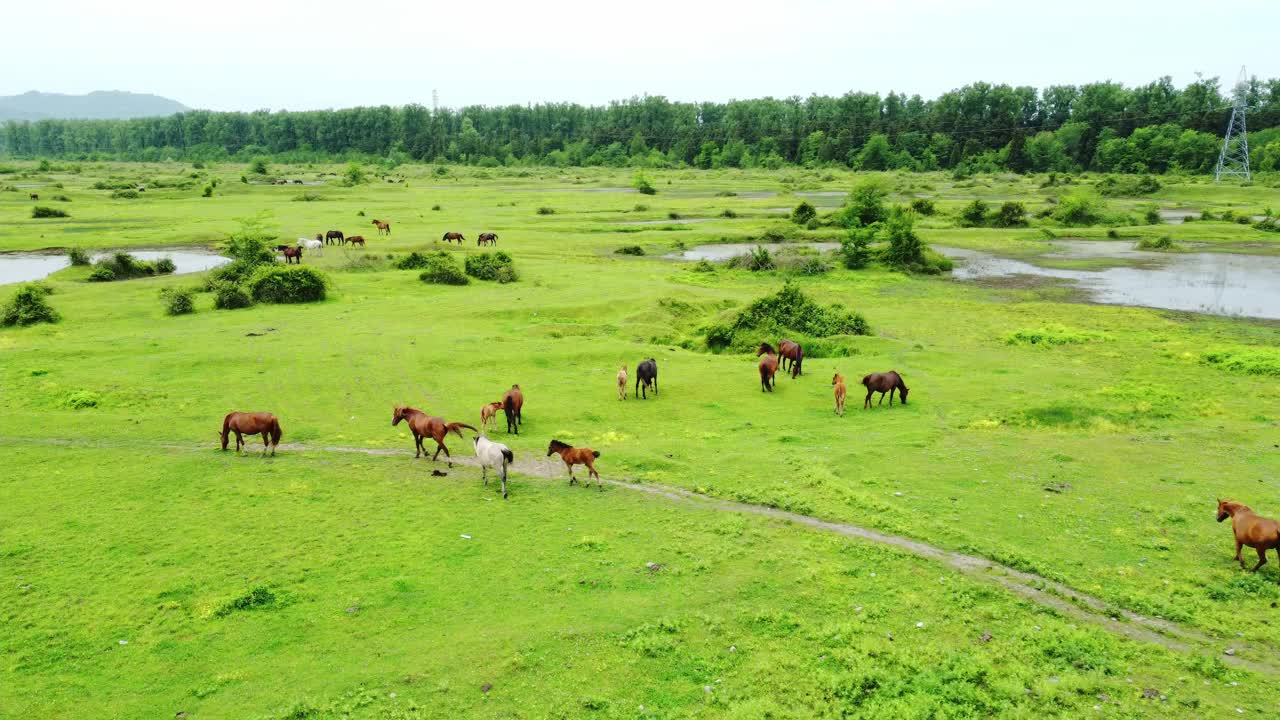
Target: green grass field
x=334, y=580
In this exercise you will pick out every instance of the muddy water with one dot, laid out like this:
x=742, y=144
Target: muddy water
x=1212, y=283
x=25, y=267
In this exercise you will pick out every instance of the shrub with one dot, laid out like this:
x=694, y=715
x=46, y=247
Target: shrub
x=413, y=261
x=1245, y=360
x=640, y=207
x=178, y=301
x=78, y=257
x=642, y=185
x=229, y=296
x=974, y=214
x=29, y=306
x=546, y=211
x=728, y=213
x=165, y=266
x=1011, y=214
x=759, y=259
x=102, y=273
x=906, y=249
x=287, y=284
x=1053, y=335
x=803, y=213
x=62, y=198
x=82, y=400
x=308, y=196
x=1113, y=234
x=787, y=311
x=354, y=174
x=486, y=266
x=259, y=166
x=855, y=250
x=1164, y=242
x=208, y=191
x=629, y=250
x=1151, y=215
x=42, y=211
x=442, y=269
x=865, y=206
x=702, y=266
x=1128, y=186
x=924, y=206
x=259, y=597
x=436, y=208
x=1079, y=209
x=129, y=194
x=673, y=215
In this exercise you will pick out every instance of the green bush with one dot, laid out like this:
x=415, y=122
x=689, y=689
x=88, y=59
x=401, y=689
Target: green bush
x=129, y=194
x=643, y=186
x=229, y=296
x=82, y=400
x=287, y=284
x=1164, y=242
x=803, y=213
x=442, y=269
x=906, y=250
x=728, y=213
x=259, y=166
x=123, y=266
x=413, y=261
x=1079, y=209
x=208, y=191
x=702, y=266
x=43, y=211
x=78, y=257
x=546, y=211
x=924, y=206
x=102, y=273
x=62, y=198
x=1053, y=335
x=974, y=214
x=789, y=311
x=178, y=301
x=629, y=250
x=486, y=266
x=1245, y=360
x=855, y=250
x=1011, y=214
x=165, y=266
x=29, y=306
x=865, y=206
x=1151, y=215
x=1128, y=186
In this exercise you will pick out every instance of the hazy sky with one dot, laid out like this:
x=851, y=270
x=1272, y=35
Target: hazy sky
x=294, y=54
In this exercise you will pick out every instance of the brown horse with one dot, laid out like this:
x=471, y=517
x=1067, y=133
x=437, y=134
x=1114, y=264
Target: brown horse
x=35, y=196
x=622, y=382
x=768, y=366
x=451, y=236
x=243, y=423
x=424, y=425
x=489, y=414
x=291, y=252
x=1261, y=534
x=839, y=390
x=884, y=383
x=334, y=236
x=788, y=350
x=356, y=240
x=512, y=401
x=383, y=227
x=487, y=239
x=576, y=456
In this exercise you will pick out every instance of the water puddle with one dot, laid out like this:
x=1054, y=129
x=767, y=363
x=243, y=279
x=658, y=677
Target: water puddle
x=724, y=251
x=26, y=267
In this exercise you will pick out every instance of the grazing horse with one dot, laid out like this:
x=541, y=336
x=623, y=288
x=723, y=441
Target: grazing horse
x=1261, y=534
x=243, y=423
x=35, y=196
x=356, y=240
x=884, y=383
x=317, y=246
x=839, y=390
x=424, y=425
x=297, y=182
x=788, y=350
x=489, y=415
x=576, y=456
x=768, y=366
x=334, y=236
x=291, y=251
x=622, y=382
x=383, y=227
x=646, y=378
x=512, y=401
x=487, y=239
x=495, y=455
x=451, y=236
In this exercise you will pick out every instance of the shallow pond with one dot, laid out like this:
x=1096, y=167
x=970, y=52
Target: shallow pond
x=1213, y=283
x=25, y=267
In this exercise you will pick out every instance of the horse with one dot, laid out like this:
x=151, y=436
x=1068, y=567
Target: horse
x=646, y=378
x=512, y=401
x=788, y=350
x=884, y=383
x=496, y=455
x=576, y=456
x=335, y=236
x=35, y=196
x=297, y=182
x=1261, y=534
x=424, y=425
x=838, y=389
x=243, y=423
x=487, y=239
x=315, y=245
x=291, y=251
x=383, y=227
x=451, y=236
x=622, y=382
x=768, y=366
x=489, y=414
x=356, y=240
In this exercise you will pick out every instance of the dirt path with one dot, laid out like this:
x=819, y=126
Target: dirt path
x=1042, y=591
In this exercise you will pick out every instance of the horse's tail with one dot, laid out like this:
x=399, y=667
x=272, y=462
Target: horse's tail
x=595, y=453
x=509, y=406
x=456, y=428
x=276, y=432
x=799, y=355
x=508, y=456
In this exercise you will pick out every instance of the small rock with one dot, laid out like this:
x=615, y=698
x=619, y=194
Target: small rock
x=353, y=608
x=1103, y=697
x=858, y=609
x=391, y=695
x=898, y=494
x=124, y=642
x=465, y=537
x=1150, y=693
x=985, y=637
x=919, y=624
x=486, y=687
x=706, y=688
x=1229, y=651
x=733, y=648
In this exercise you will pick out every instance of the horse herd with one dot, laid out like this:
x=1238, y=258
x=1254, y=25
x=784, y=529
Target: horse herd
x=293, y=253
x=790, y=352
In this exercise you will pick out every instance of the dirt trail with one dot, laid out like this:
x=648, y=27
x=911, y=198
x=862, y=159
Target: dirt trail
x=1042, y=591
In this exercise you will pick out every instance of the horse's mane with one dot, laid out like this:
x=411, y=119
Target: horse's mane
x=766, y=347
x=1233, y=505
x=558, y=446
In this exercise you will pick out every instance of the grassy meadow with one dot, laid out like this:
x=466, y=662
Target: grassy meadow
x=144, y=573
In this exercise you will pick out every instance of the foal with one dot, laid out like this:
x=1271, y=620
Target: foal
x=1261, y=534
x=489, y=414
x=768, y=366
x=622, y=382
x=576, y=456
x=838, y=388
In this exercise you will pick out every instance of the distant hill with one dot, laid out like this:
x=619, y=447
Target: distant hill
x=99, y=105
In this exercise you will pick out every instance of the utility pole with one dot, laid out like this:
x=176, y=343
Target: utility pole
x=1233, y=160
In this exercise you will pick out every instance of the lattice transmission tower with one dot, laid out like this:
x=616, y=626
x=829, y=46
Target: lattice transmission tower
x=1233, y=160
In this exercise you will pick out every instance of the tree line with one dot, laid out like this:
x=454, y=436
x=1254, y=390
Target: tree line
x=1105, y=126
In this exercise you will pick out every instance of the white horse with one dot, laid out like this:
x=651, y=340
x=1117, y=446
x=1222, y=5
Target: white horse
x=495, y=455
x=315, y=246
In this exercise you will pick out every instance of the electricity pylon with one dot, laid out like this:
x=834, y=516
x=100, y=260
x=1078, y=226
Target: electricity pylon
x=1234, y=157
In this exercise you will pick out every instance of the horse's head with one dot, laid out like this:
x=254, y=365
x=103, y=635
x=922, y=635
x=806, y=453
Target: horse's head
x=1226, y=508
x=399, y=414
x=902, y=394
x=837, y=379
x=224, y=435
x=765, y=348
x=555, y=447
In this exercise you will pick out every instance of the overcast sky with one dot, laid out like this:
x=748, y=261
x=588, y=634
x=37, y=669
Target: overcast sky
x=296, y=54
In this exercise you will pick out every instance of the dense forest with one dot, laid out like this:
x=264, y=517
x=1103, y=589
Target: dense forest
x=1154, y=128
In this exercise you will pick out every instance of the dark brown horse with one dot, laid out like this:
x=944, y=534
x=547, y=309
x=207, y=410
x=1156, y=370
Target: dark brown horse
x=291, y=252
x=356, y=240
x=251, y=423
x=768, y=366
x=884, y=383
x=424, y=425
x=487, y=239
x=35, y=196
x=788, y=350
x=1261, y=534
x=646, y=378
x=512, y=401
x=383, y=227
x=335, y=237
x=576, y=456
x=451, y=236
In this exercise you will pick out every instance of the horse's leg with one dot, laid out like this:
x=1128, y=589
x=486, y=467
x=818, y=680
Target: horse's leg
x=484, y=473
x=1239, y=545
x=418, y=449
x=572, y=479
x=266, y=442
x=592, y=467
x=866, y=402
x=891, y=391
x=1262, y=559
x=504, y=479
